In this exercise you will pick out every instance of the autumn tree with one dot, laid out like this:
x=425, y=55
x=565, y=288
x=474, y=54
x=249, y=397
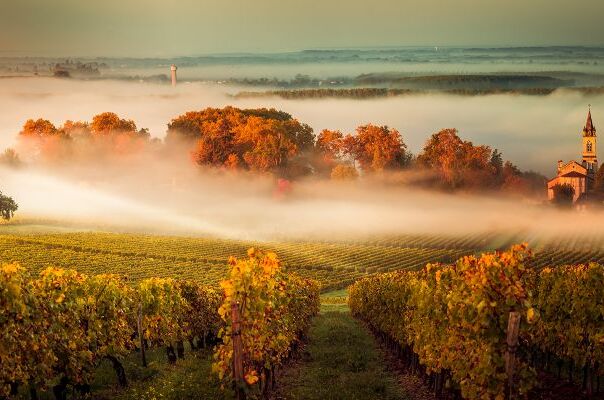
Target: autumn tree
x=343, y=172
x=76, y=128
x=265, y=144
x=108, y=122
x=255, y=139
x=515, y=181
x=457, y=162
x=376, y=148
x=38, y=128
x=329, y=148
x=41, y=139
x=114, y=135
x=8, y=206
x=106, y=135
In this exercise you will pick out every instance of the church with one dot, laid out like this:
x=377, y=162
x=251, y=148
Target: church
x=581, y=176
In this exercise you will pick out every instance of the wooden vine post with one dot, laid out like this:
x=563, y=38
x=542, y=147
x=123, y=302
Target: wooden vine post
x=237, y=353
x=512, y=345
x=139, y=326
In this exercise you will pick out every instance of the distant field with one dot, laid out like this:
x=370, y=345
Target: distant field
x=335, y=264
x=140, y=256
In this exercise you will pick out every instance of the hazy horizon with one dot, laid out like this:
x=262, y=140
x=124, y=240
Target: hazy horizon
x=21, y=54
x=154, y=28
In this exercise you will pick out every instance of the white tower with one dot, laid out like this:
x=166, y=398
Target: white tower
x=173, y=74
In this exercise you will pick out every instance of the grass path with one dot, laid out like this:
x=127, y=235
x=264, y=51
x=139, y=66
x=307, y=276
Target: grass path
x=340, y=361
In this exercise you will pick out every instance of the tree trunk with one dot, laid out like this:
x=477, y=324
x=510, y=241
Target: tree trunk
x=14, y=388
x=83, y=388
x=120, y=372
x=180, y=349
x=33, y=393
x=171, y=354
x=139, y=328
x=192, y=344
x=60, y=390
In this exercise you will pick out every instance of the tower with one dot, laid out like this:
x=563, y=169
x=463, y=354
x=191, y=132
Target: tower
x=173, y=74
x=590, y=154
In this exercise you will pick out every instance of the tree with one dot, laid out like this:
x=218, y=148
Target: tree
x=266, y=144
x=330, y=146
x=108, y=122
x=10, y=158
x=8, y=206
x=563, y=195
x=256, y=139
x=76, y=128
x=599, y=180
x=376, y=148
x=497, y=162
x=457, y=162
x=41, y=139
x=344, y=172
x=40, y=127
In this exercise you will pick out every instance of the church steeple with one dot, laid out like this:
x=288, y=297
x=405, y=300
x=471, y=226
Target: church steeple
x=590, y=154
x=589, y=129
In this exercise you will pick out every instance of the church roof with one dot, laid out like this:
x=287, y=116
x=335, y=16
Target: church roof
x=573, y=174
x=589, y=129
x=570, y=174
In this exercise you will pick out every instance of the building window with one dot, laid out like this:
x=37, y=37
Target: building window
x=589, y=146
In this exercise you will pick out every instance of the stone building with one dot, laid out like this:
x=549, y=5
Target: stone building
x=580, y=176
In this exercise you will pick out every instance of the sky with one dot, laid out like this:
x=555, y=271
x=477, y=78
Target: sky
x=167, y=28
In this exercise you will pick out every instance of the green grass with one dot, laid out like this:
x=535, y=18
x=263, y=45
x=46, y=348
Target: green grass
x=336, y=300
x=341, y=361
x=335, y=294
x=190, y=378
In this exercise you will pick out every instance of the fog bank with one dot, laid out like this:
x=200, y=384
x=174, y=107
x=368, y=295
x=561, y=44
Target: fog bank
x=244, y=206
x=532, y=131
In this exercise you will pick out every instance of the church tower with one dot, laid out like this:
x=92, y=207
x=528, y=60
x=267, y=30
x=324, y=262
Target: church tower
x=590, y=155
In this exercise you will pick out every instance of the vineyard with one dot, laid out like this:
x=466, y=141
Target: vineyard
x=488, y=327
x=335, y=264
x=106, y=296
x=56, y=327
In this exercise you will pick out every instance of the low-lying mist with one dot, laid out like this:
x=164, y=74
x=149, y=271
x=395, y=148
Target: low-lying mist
x=168, y=194
x=171, y=199
x=532, y=131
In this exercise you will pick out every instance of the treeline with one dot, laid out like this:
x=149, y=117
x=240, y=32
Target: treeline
x=464, y=82
x=271, y=141
x=348, y=93
x=106, y=135
x=486, y=326
x=372, y=93
x=57, y=327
